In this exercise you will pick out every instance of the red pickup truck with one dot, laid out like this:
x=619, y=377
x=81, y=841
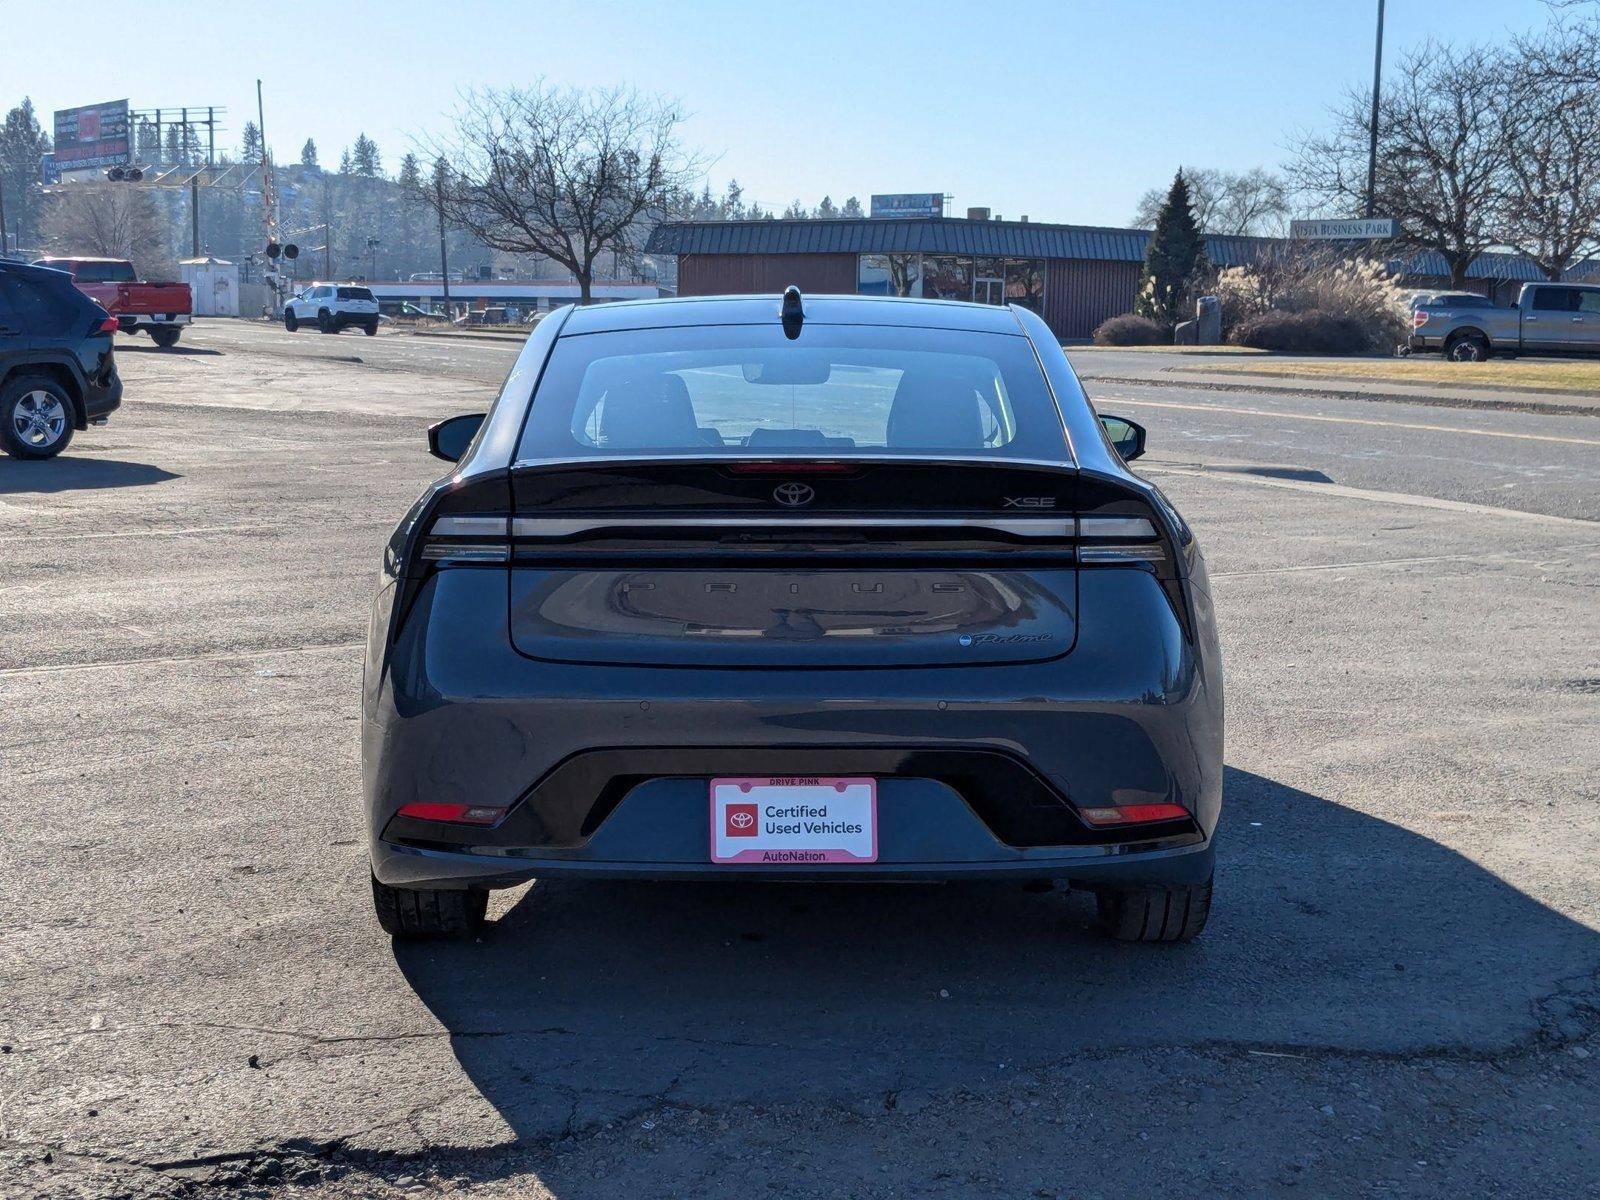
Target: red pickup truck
x=162, y=308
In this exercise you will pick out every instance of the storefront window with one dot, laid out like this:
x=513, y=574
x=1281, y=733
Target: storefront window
x=946, y=277
x=889, y=275
x=1025, y=283
x=954, y=277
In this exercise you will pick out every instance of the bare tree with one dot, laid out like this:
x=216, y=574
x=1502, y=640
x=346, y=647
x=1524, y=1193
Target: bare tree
x=1442, y=153
x=1253, y=202
x=563, y=173
x=110, y=219
x=1548, y=205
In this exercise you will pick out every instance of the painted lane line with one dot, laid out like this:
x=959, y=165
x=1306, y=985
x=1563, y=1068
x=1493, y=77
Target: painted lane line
x=1342, y=492
x=175, y=659
x=1288, y=416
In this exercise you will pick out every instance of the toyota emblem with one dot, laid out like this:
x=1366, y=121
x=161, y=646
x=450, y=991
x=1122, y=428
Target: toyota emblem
x=793, y=495
x=741, y=820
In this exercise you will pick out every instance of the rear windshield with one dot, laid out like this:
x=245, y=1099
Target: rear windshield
x=836, y=390
x=104, y=272
x=1460, y=301
x=353, y=293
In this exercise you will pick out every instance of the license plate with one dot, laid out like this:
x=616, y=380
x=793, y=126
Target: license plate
x=772, y=821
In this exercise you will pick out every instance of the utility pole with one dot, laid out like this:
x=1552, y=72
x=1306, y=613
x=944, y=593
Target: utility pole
x=444, y=261
x=1372, y=130
x=3, y=248
x=372, y=258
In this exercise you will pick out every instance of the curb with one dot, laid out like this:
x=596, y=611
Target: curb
x=516, y=338
x=1541, y=407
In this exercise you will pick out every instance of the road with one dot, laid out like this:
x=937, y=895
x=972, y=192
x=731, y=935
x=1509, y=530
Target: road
x=1397, y=995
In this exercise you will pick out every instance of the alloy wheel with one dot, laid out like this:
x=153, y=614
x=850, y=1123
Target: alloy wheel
x=39, y=419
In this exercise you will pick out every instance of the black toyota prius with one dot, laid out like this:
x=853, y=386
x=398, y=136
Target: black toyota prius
x=798, y=588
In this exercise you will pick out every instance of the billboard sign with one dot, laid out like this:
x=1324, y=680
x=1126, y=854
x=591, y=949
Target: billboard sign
x=93, y=136
x=1364, y=230
x=909, y=204
x=48, y=171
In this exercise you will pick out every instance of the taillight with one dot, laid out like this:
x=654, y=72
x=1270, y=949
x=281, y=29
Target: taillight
x=1419, y=319
x=475, y=539
x=1134, y=814
x=109, y=325
x=457, y=814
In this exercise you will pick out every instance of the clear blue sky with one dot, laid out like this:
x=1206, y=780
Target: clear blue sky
x=1062, y=110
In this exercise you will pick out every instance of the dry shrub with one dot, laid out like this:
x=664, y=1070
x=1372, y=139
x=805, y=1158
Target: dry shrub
x=1359, y=304
x=1130, y=330
x=1314, y=332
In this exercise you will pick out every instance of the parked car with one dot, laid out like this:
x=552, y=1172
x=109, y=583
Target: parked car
x=57, y=369
x=864, y=590
x=1550, y=318
x=415, y=312
x=160, y=308
x=331, y=307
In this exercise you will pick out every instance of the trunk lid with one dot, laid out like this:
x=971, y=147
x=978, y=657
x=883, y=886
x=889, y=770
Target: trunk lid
x=782, y=563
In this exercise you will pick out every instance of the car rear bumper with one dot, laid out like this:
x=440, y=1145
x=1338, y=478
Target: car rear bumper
x=605, y=769
x=131, y=321
x=1417, y=342
x=102, y=399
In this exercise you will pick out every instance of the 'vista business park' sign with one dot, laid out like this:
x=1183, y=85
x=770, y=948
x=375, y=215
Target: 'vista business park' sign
x=1363, y=230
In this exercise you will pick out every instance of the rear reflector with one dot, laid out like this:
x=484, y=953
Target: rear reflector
x=1134, y=814
x=460, y=814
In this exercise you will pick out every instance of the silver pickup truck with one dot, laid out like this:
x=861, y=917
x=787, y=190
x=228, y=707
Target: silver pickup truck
x=1549, y=318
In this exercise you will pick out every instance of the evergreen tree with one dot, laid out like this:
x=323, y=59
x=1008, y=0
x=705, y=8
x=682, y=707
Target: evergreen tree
x=1176, y=251
x=22, y=141
x=410, y=176
x=795, y=212
x=827, y=210
x=250, y=143
x=147, y=142
x=364, y=158
x=733, y=202
x=852, y=209
x=344, y=162
x=308, y=154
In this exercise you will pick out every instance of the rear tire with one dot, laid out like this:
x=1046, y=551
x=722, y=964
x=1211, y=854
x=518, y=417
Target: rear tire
x=1468, y=348
x=327, y=322
x=165, y=335
x=370, y=329
x=1154, y=914
x=427, y=912
x=289, y=321
x=35, y=417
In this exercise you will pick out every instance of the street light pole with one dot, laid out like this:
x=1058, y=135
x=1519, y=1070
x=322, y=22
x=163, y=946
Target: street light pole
x=444, y=260
x=1372, y=129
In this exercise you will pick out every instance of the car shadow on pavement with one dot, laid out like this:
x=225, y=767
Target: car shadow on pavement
x=69, y=474
x=590, y=1001
x=177, y=351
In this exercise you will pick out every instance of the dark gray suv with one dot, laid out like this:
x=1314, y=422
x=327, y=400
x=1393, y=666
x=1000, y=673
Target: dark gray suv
x=817, y=588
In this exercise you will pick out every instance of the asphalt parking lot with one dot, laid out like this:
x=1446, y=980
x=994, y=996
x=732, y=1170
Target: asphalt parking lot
x=1398, y=994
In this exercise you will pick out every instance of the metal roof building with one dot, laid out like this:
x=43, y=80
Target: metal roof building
x=1075, y=276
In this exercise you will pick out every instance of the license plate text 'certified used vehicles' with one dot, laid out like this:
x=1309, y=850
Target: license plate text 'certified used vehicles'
x=810, y=588
x=772, y=821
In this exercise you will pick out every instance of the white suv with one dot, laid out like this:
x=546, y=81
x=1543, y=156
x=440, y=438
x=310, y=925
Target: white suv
x=330, y=307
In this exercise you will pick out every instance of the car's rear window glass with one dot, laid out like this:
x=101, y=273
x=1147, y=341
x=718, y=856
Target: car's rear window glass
x=105, y=272
x=1589, y=302
x=37, y=306
x=834, y=390
x=355, y=293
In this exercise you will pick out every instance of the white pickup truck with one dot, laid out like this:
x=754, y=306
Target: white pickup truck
x=1549, y=318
